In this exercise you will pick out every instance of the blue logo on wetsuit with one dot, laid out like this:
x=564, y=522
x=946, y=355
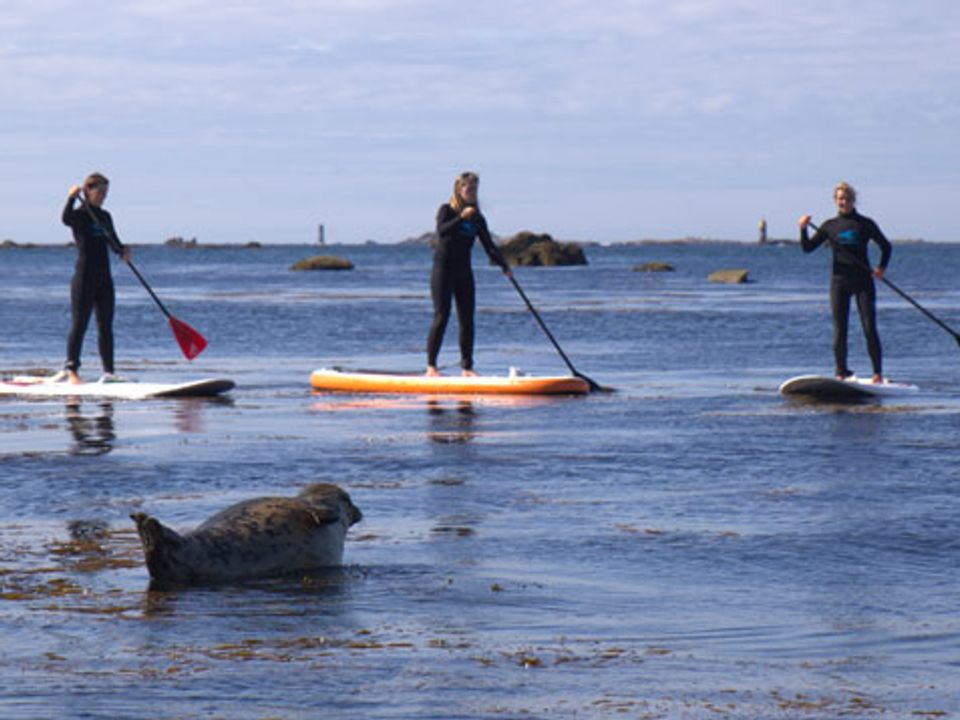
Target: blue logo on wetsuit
x=848, y=237
x=469, y=228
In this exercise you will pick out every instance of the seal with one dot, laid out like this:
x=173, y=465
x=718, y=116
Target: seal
x=257, y=538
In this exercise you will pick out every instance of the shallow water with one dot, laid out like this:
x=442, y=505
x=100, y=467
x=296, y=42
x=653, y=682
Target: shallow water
x=692, y=545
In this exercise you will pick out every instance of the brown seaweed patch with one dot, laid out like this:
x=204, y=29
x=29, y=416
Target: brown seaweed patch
x=452, y=530
x=802, y=702
x=96, y=548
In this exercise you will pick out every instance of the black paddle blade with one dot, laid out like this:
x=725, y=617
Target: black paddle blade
x=594, y=386
x=190, y=341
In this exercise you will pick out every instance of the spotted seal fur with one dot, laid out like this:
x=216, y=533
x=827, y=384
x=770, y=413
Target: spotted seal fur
x=256, y=538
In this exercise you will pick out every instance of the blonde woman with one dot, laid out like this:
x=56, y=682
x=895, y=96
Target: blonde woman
x=459, y=224
x=91, y=290
x=849, y=233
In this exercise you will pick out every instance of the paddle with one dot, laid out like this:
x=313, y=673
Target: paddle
x=901, y=293
x=594, y=387
x=190, y=341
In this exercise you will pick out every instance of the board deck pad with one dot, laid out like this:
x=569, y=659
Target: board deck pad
x=851, y=388
x=370, y=381
x=35, y=386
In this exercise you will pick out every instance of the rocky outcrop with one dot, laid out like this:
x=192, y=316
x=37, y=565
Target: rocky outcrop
x=322, y=262
x=180, y=242
x=532, y=249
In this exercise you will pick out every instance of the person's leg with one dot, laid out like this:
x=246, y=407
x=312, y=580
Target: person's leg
x=840, y=305
x=867, y=308
x=81, y=305
x=104, y=305
x=441, y=291
x=465, y=294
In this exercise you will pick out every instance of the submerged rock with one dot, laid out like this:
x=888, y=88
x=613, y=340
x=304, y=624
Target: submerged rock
x=322, y=262
x=730, y=277
x=653, y=267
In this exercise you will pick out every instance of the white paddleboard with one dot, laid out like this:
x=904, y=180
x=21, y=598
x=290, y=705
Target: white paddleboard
x=31, y=385
x=851, y=388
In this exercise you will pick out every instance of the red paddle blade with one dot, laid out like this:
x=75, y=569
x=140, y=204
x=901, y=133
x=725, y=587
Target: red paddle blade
x=191, y=342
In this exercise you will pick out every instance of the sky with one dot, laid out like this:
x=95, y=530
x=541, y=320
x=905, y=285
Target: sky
x=257, y=120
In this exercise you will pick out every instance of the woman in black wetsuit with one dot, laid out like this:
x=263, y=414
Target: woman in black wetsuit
x=92, y=287
x=459, y=223
x=849, y=233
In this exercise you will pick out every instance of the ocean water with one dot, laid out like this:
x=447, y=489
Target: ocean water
x=691, y=545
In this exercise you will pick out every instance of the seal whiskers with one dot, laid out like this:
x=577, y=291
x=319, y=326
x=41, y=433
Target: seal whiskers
x=256, y=538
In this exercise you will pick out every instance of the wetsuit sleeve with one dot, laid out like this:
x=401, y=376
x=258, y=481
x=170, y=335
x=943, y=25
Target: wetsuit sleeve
x=112, y=238
x=493, y=252
x=69, y=214
x=886, y=249
x=447, y=219
x=809, y=244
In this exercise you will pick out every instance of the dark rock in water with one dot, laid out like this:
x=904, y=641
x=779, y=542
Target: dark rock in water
x=262, y=537
x=653, y=267
x=730, y=277
x=530, y=249
x=428, y=238
x=322, y=262
x=179, y=242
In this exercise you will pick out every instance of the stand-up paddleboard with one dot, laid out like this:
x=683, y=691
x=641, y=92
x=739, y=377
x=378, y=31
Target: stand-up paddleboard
x=852, y=388
x=34, y=386
x=372, y=381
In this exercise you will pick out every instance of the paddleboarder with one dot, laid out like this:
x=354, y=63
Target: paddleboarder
x=849, y=233
x=91, y=290
x=459, y=223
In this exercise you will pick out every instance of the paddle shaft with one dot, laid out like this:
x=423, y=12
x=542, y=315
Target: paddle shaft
x=543, y=326
x=901, y=293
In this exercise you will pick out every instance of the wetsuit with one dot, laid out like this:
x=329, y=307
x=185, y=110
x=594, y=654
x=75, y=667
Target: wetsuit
x=849, y=235
x=452, y=277
x=91, y=289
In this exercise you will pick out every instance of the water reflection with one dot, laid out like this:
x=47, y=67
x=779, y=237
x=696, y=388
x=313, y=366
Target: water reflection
x=451, y=424
x=188, y=413
x=93, y=434
x=288, y=595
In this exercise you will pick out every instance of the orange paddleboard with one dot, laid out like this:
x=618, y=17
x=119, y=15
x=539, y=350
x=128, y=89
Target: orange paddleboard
x=368, y=381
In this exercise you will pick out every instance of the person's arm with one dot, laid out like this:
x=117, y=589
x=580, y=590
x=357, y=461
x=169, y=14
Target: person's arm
x=493, y=252
x=118, y=247
x=68, y=214
x=447, y=219
x=807, y=243
x=886, y=249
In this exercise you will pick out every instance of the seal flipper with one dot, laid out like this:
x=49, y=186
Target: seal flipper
x=158, y=543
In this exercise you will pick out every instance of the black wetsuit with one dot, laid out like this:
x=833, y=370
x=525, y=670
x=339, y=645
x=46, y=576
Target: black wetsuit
x=849, y=235
x=452, y=277
x=91, y=289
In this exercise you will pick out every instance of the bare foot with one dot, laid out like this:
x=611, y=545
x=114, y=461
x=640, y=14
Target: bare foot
x=73, y=378
x=467, y=372
x=877, y=379
x=432, y=371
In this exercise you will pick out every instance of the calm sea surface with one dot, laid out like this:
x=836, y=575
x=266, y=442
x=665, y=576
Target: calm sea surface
x=692, y=545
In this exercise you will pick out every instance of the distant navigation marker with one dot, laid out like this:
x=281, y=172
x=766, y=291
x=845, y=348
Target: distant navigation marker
x=320, y=237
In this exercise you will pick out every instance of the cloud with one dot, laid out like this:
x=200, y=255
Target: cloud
x=334, y=95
